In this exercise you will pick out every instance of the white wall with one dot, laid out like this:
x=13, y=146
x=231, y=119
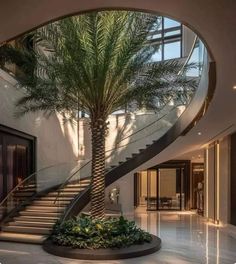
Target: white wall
x=56, y=140
x=126, y=199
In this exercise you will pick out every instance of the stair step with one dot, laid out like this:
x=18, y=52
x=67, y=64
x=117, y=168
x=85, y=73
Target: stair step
x=23, y=238
x=148, y=145
x=85, y=180
x=52, y=198
x=77, y=185
x=31, y=224
x=141, y=150
x=39, y=214
x=26, y=189
x=129, y=158
x=22, y=199
x=70, y=189
x=36, y=218
x=27, y=230
x=134, y=154
x=68, y=194
x=24, y=194
x=45, y=208
x=51, y=203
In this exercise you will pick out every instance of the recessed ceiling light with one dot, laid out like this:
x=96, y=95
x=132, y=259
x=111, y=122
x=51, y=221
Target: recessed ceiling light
x=199, y=133
x=234, y=87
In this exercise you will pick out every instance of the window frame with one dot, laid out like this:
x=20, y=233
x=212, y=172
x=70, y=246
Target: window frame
x=167, y=39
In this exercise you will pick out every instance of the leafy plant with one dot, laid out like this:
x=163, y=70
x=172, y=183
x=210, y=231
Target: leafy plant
x=87, y=232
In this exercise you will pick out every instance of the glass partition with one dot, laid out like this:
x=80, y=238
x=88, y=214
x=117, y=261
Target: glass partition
x=163, y=187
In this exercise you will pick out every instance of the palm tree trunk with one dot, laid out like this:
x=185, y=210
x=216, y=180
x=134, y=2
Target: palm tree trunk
x=98, y=129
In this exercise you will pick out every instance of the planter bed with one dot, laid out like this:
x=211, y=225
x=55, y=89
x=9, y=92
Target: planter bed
x=104, y=254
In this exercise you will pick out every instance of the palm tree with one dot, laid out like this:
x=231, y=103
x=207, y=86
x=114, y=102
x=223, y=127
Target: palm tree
x=99, y=62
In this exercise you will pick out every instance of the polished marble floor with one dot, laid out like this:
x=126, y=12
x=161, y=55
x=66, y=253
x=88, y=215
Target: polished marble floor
x=186, y=238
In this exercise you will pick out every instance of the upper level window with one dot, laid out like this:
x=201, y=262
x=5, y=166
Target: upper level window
x=170, y=23
x=168, y=34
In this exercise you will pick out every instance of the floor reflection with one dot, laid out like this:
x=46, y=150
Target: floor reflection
x=186, y=238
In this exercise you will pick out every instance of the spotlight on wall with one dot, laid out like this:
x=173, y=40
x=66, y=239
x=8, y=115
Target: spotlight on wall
x=234, y=87
x=199, y=133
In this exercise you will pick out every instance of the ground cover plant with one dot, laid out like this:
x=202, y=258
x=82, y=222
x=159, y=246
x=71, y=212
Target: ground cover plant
x=87, y=232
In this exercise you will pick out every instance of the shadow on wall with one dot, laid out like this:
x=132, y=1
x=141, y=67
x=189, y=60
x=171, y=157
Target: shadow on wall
x=56, y=139
x=123, y=138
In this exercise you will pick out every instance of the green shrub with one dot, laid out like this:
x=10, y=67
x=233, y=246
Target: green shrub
x=85, y=232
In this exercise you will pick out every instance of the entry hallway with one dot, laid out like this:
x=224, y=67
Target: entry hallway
x=186, y=238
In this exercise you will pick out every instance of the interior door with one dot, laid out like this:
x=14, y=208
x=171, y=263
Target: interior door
x=10, y=169
x=17, y=165
x=16, y=161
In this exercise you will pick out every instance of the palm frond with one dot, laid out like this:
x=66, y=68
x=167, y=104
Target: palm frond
x=98, y=61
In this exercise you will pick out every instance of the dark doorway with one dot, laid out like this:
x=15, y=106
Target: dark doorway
x=17, y=158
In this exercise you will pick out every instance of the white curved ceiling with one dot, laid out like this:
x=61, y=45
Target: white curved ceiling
x=213, y=20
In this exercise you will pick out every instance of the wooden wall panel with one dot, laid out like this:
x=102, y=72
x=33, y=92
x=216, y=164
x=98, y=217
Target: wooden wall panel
x=233, y=180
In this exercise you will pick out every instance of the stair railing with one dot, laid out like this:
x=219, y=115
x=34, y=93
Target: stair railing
x=36, y=184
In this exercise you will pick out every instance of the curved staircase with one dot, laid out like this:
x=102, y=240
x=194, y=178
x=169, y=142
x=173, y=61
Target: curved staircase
x=29, y=212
